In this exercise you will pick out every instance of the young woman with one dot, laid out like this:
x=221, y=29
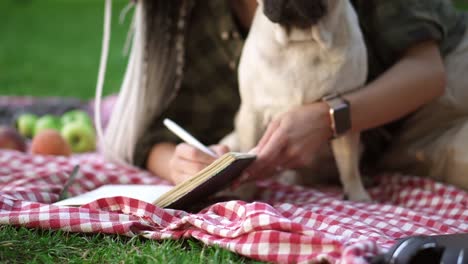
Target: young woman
x=183, y=66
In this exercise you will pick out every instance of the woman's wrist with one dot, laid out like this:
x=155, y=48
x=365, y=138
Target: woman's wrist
x=324, y=117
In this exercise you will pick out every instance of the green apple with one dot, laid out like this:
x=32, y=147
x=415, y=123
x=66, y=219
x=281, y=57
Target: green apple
x=76, y=116
x=25, y=124
x=47, y=122
x=80, y=136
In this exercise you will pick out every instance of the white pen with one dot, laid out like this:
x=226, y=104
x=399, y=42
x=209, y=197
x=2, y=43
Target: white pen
x=189, y=139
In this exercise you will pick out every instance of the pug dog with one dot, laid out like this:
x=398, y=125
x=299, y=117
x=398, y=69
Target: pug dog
x=296, y=53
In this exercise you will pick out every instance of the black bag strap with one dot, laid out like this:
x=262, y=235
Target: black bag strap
x=427, y=249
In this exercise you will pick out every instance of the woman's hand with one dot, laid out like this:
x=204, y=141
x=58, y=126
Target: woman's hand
x=187, y=160
x=292, y=140
x=177, y=163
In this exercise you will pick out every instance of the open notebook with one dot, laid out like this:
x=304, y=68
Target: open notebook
x=208, y=181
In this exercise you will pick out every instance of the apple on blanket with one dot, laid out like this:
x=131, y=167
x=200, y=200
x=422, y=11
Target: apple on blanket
x=51, y=135
x=11, y=139
x=74, y=130
x=72, y=119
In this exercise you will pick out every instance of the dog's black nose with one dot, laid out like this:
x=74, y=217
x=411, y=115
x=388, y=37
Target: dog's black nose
x=273, y=9
x=300, y=13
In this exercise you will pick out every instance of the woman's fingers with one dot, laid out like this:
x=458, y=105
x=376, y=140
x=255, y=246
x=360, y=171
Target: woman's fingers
x=257, y=174
x=272, y=127
x=188, y=161
x=262, y=169
x=180, y=177
x=188, y=166
x=183, y=169
x=188, y=152
x=268, y=152
x=220, y=149
x=271, y=151
x=296, y=156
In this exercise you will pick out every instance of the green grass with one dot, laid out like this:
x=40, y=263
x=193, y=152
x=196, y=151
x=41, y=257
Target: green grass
x=52, y=47
x=461, y=4
x=22, y=245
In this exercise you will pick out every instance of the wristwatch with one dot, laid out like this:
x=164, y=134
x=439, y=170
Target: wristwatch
x=340, y=114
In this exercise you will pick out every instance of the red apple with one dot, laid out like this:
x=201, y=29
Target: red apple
x=50, y=142
x=11, y=139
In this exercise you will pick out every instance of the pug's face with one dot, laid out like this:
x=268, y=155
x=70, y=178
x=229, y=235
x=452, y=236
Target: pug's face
x=294, y=13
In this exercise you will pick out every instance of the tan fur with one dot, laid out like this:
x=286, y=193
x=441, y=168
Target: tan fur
x=282, y=68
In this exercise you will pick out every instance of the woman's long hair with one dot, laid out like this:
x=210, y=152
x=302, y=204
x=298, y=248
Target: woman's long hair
x=153, y=75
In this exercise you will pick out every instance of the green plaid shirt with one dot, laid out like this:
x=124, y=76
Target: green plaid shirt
x=392, y=26
x=208, y=99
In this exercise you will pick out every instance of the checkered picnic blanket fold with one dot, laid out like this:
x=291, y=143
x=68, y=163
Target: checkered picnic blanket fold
x=291, y=224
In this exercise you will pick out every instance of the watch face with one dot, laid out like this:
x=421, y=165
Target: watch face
x=340, y=114
x=341, y=117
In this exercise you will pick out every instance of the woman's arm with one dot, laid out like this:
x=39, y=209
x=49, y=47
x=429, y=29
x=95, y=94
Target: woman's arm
x=416, y=79
x=291, y=139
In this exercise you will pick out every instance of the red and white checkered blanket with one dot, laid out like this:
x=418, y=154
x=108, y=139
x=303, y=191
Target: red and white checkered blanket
x=292, y=224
